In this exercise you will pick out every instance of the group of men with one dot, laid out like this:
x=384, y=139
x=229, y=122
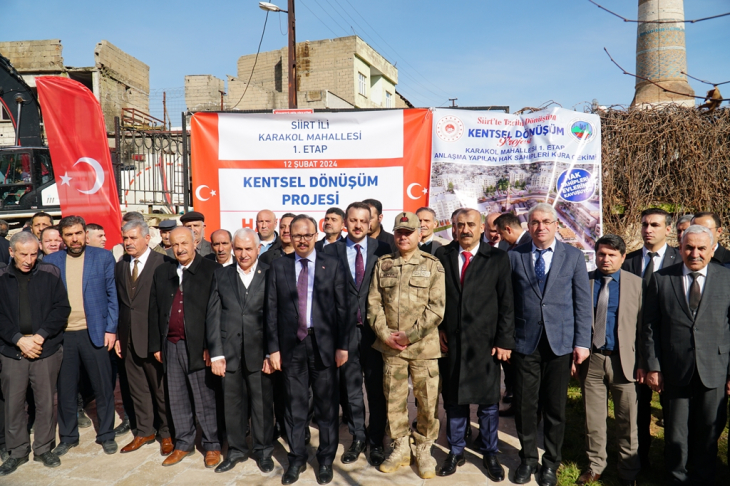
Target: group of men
x=262, y=332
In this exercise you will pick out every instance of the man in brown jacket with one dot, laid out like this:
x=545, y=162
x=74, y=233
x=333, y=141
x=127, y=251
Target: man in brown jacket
x=405, y=306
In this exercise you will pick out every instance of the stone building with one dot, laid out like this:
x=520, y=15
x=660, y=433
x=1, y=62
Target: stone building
x=332, y=73
x=117, y=79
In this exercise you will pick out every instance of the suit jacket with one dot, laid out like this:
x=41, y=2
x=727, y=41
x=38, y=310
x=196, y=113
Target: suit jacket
x=433, y=246
x=197, y=282
x=388, y=238
x=205, y=248
x=629, y=322
x=5, y=251
x=524, y=239
x=679, y=345
x=722, y=255
x=276, y=245
x=320, y=246
x=330, y=318
x=234, y=326
x=100, y=291
x=134, y=305
x=478, y=317
x=635, y=260
x=358, y=297
x=564, y=310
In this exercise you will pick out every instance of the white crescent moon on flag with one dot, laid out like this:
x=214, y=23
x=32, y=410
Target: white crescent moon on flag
x=408, y=191
x=99, y=174
x=197, y=193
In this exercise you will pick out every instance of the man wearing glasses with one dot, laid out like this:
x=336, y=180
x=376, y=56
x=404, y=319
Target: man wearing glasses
x=553, y=320
x=308, y=331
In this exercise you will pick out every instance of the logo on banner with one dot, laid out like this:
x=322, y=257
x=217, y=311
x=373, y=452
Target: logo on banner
x=582, y=130
x=576, y=185
x=449, y=129
x=199, y=196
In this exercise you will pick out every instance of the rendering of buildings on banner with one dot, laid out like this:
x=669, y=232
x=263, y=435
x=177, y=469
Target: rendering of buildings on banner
x=515, y=188
x=333, y=73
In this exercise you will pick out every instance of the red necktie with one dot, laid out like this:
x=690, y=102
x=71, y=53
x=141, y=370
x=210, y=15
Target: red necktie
x=302, y=294
x=467, y=259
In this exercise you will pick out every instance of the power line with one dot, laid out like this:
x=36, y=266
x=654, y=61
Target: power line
x=317, y=17
x=330, y=16
x=254, y=61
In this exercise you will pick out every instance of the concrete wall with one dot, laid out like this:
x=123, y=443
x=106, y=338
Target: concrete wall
x=36, y=56
x=202, y=92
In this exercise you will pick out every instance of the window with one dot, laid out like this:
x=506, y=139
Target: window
x=388, y=100
x=362, y=84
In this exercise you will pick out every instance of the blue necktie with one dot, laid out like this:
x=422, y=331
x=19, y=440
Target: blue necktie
x=540, y=269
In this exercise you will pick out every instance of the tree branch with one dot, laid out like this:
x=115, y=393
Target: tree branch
x=703, y=81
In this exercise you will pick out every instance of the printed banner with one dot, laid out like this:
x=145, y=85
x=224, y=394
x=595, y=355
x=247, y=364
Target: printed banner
x=307, y=163
x=501, y=162
x=79, y=149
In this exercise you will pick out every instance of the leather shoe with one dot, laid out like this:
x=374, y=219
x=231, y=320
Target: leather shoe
x=136, y=443
x=212, y=458
x=377, y=455
x=82, y=420
x=548, y=477
x=291, y=475
x=166, y=447
x=265, y=464
x=450, y=464
x=64, y=447
x=4, y=454
x=587, y=477
x=49, y=459
x=524, y=473
x=325, y=474
x=230, y=462
x=11, y=464
x=353, y=452
x=110, y=446
x=122, y=428
x=176, y=456
x=495, y=471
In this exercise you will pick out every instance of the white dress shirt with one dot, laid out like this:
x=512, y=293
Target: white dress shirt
x=230, y=261
x=180, y=271
x=352, y=254
x=310, y=280
x=658, y=259
x=462, y=258
x=247, y=277
x=142, y=259
x=547, y=256
x=687, y=280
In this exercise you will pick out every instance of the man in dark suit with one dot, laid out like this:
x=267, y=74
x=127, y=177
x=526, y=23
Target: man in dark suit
x=552, y=323
x=656, y=225
x=614, y=364
x=134, y=274
x=358, y=254
x=283, y=245
x=479, y=318
x=308, y=330
x=334, y=222
x=376, y=220
x=429, y=243
x=686, y=343
x=712, y=222
x=178, y=305
x=196, y=222
x=510, y=229
x=88, y=274
x=235, y=334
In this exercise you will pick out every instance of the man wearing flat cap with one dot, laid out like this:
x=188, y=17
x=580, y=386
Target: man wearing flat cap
x=196, y=222
x=165, y=228
x=405, y=306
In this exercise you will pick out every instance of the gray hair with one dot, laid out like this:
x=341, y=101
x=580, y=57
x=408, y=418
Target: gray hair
x=542, y=208
x=433, y=213
x=22, y=237
x=136, y=224
x=697, y=229
x=132, y=216
x=247, y=233
x=687, y=218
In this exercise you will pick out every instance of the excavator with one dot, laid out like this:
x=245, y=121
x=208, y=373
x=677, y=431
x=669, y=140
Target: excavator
x=27, y=185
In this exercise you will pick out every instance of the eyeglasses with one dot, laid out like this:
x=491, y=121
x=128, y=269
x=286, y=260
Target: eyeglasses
x=307, y=237
x=546, y=222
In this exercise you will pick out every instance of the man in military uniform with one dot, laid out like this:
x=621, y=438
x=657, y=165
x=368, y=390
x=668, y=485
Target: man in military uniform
x=405, y=306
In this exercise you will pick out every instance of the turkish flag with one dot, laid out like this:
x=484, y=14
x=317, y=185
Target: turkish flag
x=82, y=164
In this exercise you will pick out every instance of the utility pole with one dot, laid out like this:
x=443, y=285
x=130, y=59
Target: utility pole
x=223, y=93
x=292, y=57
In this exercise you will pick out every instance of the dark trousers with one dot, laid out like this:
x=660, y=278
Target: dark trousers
x=306, y=369
x=241, y=388
x=643, y=420
x=457, y=421
x=119, y=370
x=509, y=377
x=78, y=350
x=541, y=376
x=188, y=393
x=371, y=361
x=17, y=376
x=694, y=417
x=146, y=389
x=351, y=396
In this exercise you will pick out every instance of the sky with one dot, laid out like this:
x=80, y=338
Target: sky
x=518, y=53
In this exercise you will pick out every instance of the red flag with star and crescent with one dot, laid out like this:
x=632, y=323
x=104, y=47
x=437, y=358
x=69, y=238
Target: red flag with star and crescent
x=80, y=155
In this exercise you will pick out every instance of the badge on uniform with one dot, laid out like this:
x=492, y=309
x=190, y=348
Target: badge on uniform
x=421, y=273
x=387, y=265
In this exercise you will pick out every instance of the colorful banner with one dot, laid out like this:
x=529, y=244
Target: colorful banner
x=79, y=149
x=501, y=162
x=307, y=163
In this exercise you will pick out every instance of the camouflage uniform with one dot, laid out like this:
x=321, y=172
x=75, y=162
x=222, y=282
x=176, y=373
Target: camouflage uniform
x=409, y=296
